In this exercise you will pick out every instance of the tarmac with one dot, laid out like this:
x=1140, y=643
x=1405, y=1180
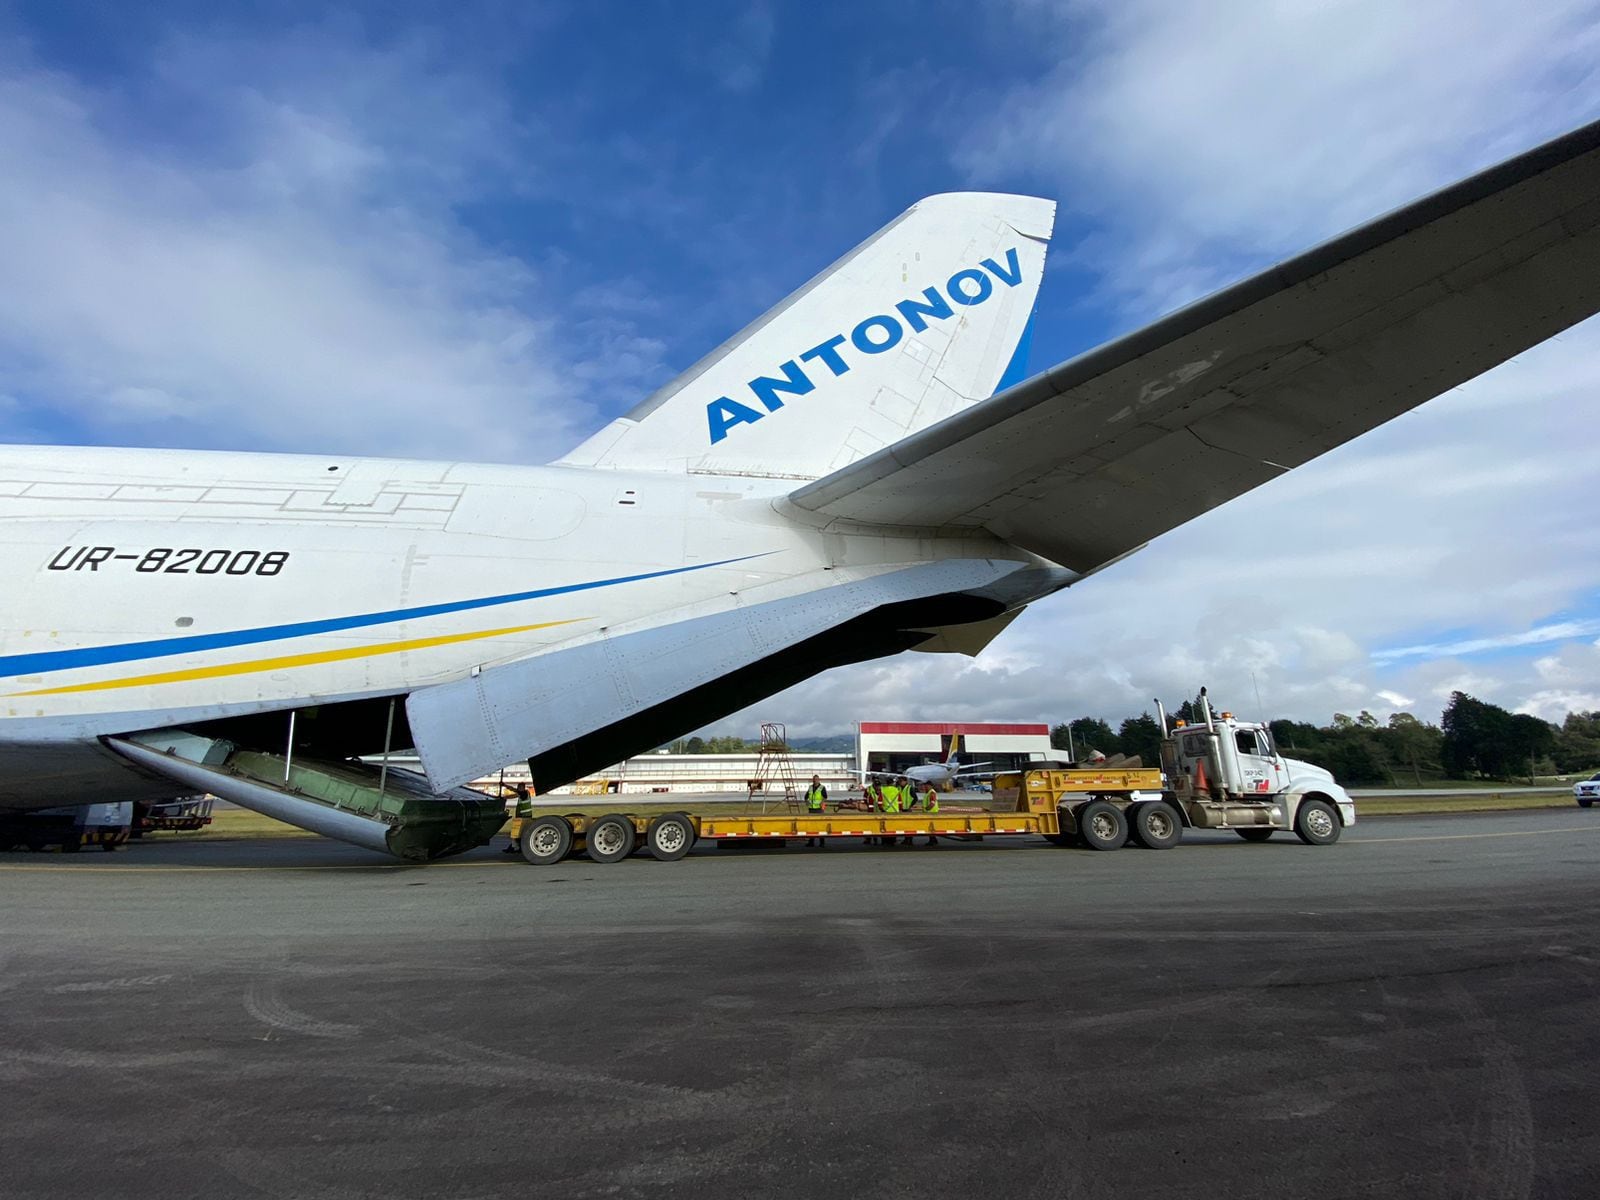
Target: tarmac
x=1412, y=1012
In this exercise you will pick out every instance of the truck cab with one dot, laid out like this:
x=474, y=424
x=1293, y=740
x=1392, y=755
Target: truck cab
x=1228, y=774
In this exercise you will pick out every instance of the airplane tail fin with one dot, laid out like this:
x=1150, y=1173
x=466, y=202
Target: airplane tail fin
x=927, y=317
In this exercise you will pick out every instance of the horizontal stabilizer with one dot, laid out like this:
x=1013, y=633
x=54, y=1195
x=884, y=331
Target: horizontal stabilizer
x=1095, y=457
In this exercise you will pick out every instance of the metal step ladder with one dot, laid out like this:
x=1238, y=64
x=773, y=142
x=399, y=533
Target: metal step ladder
x=773, y=765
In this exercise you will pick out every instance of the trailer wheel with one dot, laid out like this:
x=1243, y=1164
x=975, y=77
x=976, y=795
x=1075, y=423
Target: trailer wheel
x=1102, y=826
x=1316, y=824
x=1255, y=835
x=546, y=841
x=1156, y=825
x=611, y=838
x=669, y=837
x=1058, y=839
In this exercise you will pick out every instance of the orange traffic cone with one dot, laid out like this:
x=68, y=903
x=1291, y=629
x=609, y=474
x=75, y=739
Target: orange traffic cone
x=1200, y=783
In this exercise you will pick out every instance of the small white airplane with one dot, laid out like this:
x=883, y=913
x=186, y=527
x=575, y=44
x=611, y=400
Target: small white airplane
x=943, y=776
x=860, y=472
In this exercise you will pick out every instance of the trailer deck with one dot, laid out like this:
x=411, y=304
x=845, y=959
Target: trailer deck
x=1042, y=802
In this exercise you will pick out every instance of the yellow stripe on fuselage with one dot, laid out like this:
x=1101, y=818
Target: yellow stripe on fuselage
x=291, y=660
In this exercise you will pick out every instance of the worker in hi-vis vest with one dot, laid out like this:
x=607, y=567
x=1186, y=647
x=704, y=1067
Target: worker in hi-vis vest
x=521, y=806
x=888, y=802
x=908, y=803
x=872, y=796
x=895, y=799
x=816, y=797
x=930, y=804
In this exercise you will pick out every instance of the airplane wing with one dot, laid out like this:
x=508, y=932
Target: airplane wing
x=1090, y=460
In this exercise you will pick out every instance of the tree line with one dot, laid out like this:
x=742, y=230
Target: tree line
x=1473, y=740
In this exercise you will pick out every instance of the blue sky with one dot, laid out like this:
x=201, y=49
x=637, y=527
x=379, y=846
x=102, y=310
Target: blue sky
x=479, y=230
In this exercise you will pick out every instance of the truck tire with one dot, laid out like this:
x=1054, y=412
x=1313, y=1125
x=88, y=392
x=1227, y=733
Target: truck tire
x=611, y=838
x=1058, y=839
x=1316, y=824
x=669, y=837
x=1155, y=825
x=1255, y=835
x=1102, y=826
x=546, y=841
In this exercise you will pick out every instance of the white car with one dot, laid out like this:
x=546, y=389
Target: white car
x=1587, y=790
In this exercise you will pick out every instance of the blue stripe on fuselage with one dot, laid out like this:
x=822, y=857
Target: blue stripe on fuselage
x=96, y=656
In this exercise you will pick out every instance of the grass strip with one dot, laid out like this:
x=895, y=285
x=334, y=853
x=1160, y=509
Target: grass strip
x=1379, y=806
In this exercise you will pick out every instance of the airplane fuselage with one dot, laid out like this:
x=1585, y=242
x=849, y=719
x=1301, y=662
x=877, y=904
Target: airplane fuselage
x=933, y=775
x=154, y=588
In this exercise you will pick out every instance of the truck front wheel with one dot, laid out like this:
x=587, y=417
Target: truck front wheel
x=1102, y=826
x=1316, y=824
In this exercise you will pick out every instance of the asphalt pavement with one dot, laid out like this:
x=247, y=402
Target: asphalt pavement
x=1413, y=1011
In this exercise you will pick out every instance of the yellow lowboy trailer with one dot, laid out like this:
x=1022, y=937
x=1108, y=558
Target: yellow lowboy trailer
x=1221, y=774
x=1056, y=804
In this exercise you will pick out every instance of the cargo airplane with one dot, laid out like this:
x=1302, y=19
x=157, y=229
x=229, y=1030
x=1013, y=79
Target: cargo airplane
x=862, y=471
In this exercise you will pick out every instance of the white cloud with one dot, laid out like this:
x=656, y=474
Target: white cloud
x=1558, y=631
x=1210, y=136
x=287, y=275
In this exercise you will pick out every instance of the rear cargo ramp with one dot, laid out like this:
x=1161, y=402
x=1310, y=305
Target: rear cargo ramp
x=390, y=811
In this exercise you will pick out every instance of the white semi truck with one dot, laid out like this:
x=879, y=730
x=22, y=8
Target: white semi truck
x=1223, y=773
